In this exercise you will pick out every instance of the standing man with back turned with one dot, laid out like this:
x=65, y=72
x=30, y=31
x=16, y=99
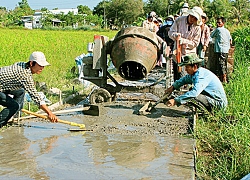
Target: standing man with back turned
x=223, y=41
x=15, y=80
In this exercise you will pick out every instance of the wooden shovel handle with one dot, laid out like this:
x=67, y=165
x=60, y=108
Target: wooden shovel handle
x=59, y=120
x=178, y=54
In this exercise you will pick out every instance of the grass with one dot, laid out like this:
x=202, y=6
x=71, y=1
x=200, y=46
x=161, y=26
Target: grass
x=223, y=141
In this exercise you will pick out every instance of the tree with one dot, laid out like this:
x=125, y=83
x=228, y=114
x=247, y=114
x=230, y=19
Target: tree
x=240, y=11
x=158, y=6
x=84, y=10
x=124, y=12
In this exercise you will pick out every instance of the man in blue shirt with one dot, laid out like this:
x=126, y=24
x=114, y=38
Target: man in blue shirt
x=207, y=89
x=223, y=41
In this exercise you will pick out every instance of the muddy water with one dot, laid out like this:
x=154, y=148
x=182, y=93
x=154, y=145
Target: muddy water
x=119, y=145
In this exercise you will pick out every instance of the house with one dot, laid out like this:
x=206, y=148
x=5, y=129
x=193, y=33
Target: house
x=64, y=11
x=35, y=20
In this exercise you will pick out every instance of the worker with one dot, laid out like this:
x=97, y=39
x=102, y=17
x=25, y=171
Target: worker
x=149, y=24
x=205, y=38
x=15, y=80
x=223, y=42
x=207, y=90
x=186, y=30
x=184, y=9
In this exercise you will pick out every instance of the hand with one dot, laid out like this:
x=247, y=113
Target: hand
x=204, y=48
x=170, y=102
x=52, y=117
x=177, y=36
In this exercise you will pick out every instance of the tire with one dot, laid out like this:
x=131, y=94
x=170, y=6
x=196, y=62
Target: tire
x=99, y=96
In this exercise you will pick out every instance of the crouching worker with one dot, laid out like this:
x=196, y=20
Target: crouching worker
x=15, y=80
x=207, y=90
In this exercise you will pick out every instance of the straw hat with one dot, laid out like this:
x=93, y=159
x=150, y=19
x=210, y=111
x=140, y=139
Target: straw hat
x=196, y=12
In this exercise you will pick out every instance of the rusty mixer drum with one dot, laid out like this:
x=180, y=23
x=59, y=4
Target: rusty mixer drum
x=134, y=52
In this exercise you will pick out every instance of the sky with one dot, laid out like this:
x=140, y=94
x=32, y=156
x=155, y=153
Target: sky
x=51, y=4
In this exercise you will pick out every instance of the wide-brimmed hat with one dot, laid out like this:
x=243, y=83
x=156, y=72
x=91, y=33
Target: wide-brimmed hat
x=196, y=12
x=152, y=13
x=185, y=5
x=39, y=58
x=204, y=15
x=190, y=59
x=170, y=17
x=159, y=19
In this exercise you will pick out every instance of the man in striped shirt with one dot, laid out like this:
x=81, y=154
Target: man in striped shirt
x=15, y=80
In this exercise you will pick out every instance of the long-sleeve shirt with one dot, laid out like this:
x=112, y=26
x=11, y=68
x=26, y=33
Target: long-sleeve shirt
x=17, y=76
x=204, y=82
x=190, y=34
x=222, y=39
x=205, y=36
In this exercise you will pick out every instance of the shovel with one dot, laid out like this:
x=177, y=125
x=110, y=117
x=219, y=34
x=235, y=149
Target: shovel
x=82, y=126
x=149, y=106
x=87, y=109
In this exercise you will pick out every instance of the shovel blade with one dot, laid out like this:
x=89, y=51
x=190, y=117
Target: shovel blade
x=91, y=110
x=144, y=108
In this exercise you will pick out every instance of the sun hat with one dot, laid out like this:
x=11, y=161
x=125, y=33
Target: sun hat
x=170, y=17
x=39, y=57
x=204, y=15
x=159, y=19
x=152, y=13
x=190, y=59
x=185, y=5
x=196, y=12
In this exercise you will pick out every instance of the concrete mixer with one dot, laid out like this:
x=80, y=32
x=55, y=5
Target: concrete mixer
x=134, y=51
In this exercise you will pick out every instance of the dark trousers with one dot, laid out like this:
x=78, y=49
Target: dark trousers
x=221, y=60
x=11, y=105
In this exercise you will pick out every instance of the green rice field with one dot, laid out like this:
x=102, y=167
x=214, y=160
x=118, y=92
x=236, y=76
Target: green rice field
x=59, y=47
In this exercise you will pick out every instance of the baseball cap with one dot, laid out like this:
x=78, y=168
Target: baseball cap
x=39, y=57
x=190, y=59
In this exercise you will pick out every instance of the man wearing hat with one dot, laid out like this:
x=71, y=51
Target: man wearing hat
x=205, y=38
x=184, y=9
x=15, y=80
x=163, y=31
x=149, y=23
x=207, y=89
x=186, y=30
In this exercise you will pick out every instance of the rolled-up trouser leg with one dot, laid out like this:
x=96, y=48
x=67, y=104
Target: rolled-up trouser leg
x=11, y=107
x=19, y=97
x=203, y=100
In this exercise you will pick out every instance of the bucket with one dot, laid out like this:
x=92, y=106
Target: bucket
x=134, y=52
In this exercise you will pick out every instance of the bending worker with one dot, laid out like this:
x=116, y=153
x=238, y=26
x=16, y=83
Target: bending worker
x=15, y=80
x=207, y=88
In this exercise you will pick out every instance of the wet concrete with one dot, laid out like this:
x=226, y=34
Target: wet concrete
x=119, y=145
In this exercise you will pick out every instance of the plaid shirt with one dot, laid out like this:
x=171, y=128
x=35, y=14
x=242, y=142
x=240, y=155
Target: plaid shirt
x=16, y=77
x=205, y=36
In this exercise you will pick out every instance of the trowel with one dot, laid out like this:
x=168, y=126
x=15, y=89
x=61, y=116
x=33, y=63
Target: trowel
x=149, y=106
